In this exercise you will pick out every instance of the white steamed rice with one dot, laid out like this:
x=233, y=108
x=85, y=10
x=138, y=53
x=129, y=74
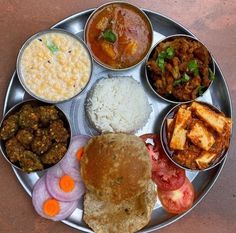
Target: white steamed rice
x=117, y=104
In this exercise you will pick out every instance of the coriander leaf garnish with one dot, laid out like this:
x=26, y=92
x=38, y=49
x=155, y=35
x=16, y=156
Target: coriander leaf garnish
x=169, y=52
x=185, y=78
x=211, y=74
x=109, y=35
x=176, y=82
x=162, y=54
x=201, y=90
x=193, y=67
x=161, y=62
x=52, y=46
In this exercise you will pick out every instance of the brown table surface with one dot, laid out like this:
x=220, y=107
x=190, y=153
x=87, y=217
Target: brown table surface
x=212, y=21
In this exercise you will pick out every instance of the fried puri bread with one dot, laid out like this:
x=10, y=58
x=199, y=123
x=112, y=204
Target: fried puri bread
x=127, y=216
x=115, y=166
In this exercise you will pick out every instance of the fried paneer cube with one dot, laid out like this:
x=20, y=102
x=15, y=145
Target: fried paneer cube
x=201, y=137
x=178, y=139
x=213, y=119
x=169, y=124
x=204, y=160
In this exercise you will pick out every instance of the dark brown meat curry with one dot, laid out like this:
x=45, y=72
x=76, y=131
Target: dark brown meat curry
x=179, y=69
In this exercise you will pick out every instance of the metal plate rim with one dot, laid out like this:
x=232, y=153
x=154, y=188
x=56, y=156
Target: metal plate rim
x=206, y=189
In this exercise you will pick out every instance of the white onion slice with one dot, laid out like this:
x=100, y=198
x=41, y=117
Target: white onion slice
x=53, y=177
x=40, y=195
x=70, y=163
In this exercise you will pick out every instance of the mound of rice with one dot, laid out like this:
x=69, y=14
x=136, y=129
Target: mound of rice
x=117, y=104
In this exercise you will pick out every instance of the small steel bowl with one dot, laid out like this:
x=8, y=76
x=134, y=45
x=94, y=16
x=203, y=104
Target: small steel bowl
x=136, y=8
x=33, y=102
x=35, y=36
x=165, y=142
x=147, y=72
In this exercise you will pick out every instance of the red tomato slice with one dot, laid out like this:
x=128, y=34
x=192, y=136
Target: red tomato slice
x=165, y=174
x=154, y=149
x=168, y=176
x=154, y=156
x=177, y=201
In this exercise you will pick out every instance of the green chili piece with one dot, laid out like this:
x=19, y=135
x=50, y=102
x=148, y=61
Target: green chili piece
x=169, y=52
x=176, y=82
x=52, y=46
x=161, y=60
x=161, y=64
x=185, y=78
x=193, y=67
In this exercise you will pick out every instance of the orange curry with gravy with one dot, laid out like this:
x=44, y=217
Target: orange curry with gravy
x=119, y=35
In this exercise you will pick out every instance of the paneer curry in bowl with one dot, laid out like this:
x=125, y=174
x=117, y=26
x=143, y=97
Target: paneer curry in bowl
x=119, y=35
x=196, y=135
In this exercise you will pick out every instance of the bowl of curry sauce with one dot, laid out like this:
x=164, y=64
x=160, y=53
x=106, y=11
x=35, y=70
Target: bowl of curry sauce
x=179, y=69
x=119, y=35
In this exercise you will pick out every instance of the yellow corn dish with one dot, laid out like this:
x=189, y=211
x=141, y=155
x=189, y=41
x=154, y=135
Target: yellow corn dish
x=55, y=66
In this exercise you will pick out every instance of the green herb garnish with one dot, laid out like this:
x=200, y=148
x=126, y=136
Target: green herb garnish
x=201, y=90
x=193, y=67
x=52, y=46
x=176, y=82
x=184, y=79
x=109, y=35
x=169, y=52
x=211, y=74
x=161, y=63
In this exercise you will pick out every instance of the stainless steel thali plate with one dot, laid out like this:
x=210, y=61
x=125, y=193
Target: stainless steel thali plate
x=217, y=95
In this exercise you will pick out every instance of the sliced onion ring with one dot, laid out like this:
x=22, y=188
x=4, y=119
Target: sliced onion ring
x=40, y=195
x=70, y=163
x=53, y=177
